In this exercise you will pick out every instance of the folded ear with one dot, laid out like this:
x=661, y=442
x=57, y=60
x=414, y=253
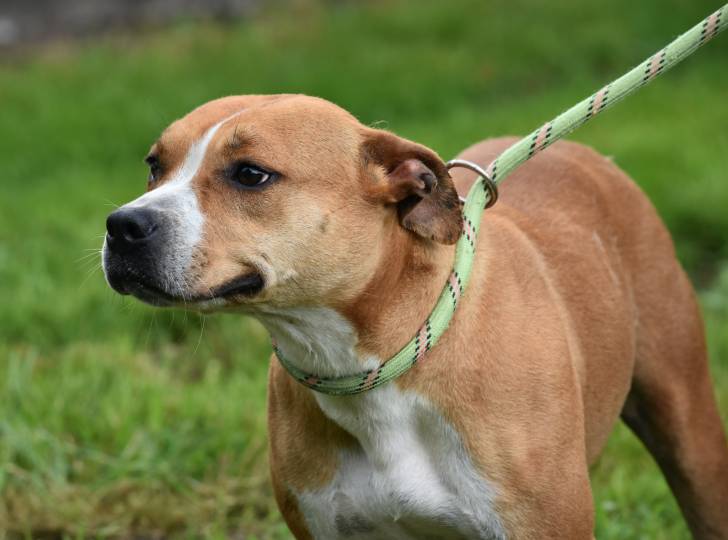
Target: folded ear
x=415, y=179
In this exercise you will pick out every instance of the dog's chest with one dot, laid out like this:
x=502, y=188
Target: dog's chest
x=410, y=477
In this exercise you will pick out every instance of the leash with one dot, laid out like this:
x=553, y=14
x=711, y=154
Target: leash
x=484, y=193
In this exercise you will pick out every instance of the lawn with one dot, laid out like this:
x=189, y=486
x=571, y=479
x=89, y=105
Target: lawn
x=117, y=420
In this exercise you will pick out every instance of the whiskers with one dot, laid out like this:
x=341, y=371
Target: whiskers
x=90, y=262
x=202, y=331
x=113, y=205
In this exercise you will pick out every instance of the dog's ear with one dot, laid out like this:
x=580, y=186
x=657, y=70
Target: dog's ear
x=415, y=179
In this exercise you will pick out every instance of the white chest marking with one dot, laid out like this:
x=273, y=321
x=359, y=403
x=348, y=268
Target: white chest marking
x=410, y=476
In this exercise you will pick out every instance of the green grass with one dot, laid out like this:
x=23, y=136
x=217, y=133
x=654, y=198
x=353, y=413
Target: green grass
x=116, y=419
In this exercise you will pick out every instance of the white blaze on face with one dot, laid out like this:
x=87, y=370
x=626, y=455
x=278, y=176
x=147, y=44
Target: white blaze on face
x=177, y=202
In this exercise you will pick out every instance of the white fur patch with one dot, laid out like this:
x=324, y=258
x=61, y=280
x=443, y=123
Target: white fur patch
x=177, y=195
x=318, y=339
x=410, y=477
x=177, y=201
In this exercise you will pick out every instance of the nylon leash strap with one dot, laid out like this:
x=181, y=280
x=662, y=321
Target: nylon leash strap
x=480, y=196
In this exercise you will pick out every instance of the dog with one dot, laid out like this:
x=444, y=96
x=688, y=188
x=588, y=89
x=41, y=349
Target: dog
x=338, y=238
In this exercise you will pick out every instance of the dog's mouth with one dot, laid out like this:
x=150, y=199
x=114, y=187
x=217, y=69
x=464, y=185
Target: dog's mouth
x=247, y=285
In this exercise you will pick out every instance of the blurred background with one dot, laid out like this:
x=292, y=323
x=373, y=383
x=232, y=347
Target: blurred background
x=120, y=421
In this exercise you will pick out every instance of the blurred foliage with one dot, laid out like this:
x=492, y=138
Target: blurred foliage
x=116, y=419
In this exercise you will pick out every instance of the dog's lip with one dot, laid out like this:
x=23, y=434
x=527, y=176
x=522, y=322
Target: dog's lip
x=245, y=285
x=149, y=293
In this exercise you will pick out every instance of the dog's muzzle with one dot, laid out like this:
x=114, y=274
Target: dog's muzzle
x=135, y=247
x=142, y=257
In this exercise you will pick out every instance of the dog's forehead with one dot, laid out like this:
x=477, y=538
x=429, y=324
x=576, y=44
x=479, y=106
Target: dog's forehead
x=287, y=114
x=193, y=125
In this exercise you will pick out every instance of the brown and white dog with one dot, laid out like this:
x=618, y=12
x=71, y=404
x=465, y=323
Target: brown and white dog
x=338, y=238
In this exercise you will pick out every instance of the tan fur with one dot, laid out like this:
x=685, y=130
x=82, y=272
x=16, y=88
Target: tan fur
x=576, y=306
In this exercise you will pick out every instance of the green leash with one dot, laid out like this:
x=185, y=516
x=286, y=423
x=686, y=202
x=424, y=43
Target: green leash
x=483, y=194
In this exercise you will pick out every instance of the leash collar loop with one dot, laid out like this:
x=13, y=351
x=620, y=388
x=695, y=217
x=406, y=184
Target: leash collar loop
x=489, y=184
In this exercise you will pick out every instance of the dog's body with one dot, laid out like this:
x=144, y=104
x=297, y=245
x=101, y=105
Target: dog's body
x=577, y=312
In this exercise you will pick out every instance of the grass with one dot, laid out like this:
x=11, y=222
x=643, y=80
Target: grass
x=119, y=420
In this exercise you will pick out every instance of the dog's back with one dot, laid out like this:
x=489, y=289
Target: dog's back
x=585, y=221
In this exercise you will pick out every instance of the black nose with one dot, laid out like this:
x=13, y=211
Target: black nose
x=129, y=228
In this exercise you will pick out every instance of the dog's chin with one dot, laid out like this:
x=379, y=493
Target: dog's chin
x=148, y=291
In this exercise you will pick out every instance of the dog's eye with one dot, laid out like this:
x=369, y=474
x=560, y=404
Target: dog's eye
x=155, y=169
x=250, y=175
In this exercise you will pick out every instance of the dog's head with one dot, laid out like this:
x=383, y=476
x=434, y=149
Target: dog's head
x=280, y=200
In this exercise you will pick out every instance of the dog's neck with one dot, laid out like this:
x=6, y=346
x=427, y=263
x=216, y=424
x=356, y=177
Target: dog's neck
x=318, y=340
x=373, y=326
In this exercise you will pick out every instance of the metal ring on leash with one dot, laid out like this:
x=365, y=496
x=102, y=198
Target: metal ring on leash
x=490, y=186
